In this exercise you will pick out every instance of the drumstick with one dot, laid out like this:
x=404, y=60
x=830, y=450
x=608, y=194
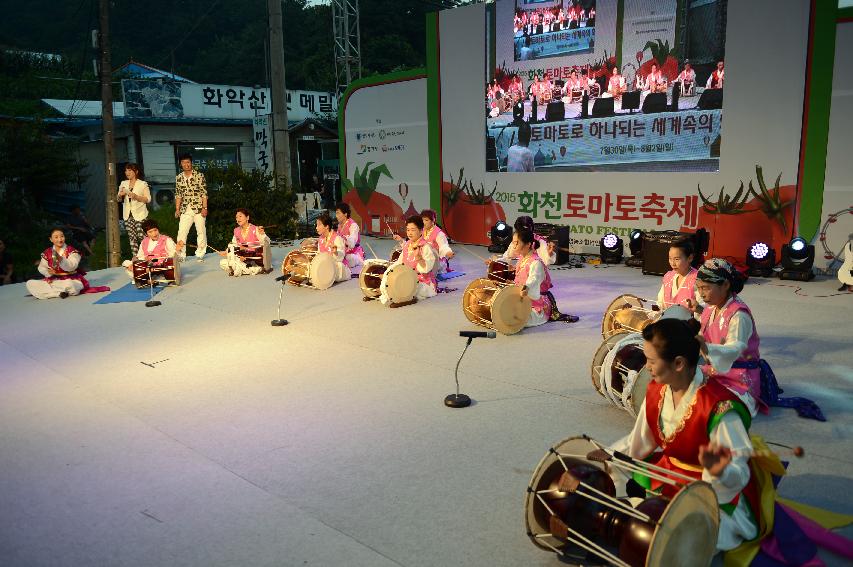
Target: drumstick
x=209, y=246
x=796, y=451
x=369, y=247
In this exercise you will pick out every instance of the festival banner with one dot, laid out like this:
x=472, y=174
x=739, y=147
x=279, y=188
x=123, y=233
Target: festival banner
x=556, y=43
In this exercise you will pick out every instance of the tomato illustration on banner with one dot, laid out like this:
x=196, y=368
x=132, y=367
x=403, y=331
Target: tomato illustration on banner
x=372, y=210
x=469, y=213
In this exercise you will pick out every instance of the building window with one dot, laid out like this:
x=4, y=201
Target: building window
x=205, y=155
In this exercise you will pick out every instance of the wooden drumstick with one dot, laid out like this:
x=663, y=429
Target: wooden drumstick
x=369, y=247
x=209, y=246
x=796, y=451
x=474, y=253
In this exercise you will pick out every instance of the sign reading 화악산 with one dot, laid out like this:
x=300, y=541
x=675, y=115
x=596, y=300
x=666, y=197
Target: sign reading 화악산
x=161, y=99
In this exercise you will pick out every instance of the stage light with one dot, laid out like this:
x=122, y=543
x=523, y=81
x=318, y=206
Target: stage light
x=501, y=235
x=797, y=260
x=610, y=248
x=760, y=258
x=635, y=245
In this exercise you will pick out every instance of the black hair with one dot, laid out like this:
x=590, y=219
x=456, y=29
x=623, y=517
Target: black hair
x=148, y=224
x=525, y=236
x=674, y=337
x=184, y=156
x=416, y=220
x=244, y=211
x=325, y=220
x=523, y=222
x=344, y=208
x=524, y=133
x=685, y=245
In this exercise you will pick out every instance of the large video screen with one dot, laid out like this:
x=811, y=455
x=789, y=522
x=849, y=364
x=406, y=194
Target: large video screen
x=582, y=85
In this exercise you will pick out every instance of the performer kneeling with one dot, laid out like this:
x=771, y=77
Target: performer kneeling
x=418, y=255
x=532, y=275
x=730, y=342
x=156, y=250
x=330, y=242
x=438, y=240
x=679, y=284
x=691, y=424
x=249, y=250
x=349, y=231
x=59, y=265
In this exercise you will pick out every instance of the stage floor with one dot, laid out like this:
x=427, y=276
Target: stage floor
x=326, y=442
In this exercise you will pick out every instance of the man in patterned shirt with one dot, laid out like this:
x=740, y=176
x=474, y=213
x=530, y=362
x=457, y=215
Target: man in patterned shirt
x=191, y=204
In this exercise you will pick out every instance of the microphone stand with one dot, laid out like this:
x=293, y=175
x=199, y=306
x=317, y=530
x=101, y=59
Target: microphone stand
x=151, y=302
x=278, y=321
x=458, y=400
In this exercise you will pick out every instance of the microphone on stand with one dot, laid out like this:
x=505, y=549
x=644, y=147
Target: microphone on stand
x=458, y=400
x=278, y=321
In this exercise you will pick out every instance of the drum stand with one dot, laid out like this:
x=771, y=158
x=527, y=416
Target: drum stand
x=278, y=321
x=458, y=400
x=151, y=302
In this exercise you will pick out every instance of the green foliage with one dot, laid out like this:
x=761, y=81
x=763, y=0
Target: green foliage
x=268, y=203
x=365, y=182
x=661, y=50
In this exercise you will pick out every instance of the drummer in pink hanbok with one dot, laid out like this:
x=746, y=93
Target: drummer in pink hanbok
x=59, y=265
x=532, y=275
x=546, y=250
x=155, y=247
x=679, y=284
x=330, y=242
x=246, y=237
x=349, y=231
x=438, y=240
x=418, y=255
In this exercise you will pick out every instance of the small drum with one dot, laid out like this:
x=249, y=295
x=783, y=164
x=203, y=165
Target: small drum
x=589, y=520
x=627, y=313
x=500, y=271
x=619, y=371
x=310, y=269
x=165, y=269
x=496, y=306
x=370, y=277
x=251, y=256
x=401, y=283
x=309, y=244
x=395, y=254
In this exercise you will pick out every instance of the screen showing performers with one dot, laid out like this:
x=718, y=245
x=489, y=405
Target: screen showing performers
x=604, y=85
x=545, y=28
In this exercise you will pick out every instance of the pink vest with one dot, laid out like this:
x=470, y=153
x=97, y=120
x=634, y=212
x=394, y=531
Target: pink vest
x=50, y=258
x=738, y=380
x=251, y=237
x=521, y=272
x=412, y=262
x=344, y=231
x=159, y=254
x=326, y=244
x=432, y=239
x=685, y=292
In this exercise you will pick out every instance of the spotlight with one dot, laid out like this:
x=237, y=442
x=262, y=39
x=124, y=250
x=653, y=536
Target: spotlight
x=501, y=235
x=760, y=258
x=635, y=245
x=611, y=249
x=797, y=260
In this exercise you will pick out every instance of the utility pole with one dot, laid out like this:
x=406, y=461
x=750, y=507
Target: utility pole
x=278, y=93
x=113, y=244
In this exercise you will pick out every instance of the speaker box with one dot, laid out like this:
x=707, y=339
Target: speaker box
x=655, y=102
x=555, y=111
x=711, y=99
x=602, y=108
x=656, y=250
x=563, y=236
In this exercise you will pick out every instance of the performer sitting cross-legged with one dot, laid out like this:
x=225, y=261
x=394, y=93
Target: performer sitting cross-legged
x=349, y=231
x=249, y=250
x=330, y=242
x=532, y=275
x=730, y=342
x=59, y=265
x=438, y=240
x=679, y=284
x=155, y=249
x=418, y=255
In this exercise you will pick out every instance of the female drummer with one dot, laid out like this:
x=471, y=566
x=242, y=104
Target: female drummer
x=532, y=275
x=438, y=240
x=155, y=248
x=349, y=231
x=330, y=242
x=247, y=237
x=418, y=255
x=679, y=284
x=691, y=424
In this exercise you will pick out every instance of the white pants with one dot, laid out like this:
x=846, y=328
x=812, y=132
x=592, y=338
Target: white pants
x=41, y=289
x=536, y=318
x=239, y=267
x=353, y=261
x=186, y=221
x=342, y=272
x=423, y=291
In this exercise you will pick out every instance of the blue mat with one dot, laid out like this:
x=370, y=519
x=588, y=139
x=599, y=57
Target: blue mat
x=128, y=294
x=449, y=276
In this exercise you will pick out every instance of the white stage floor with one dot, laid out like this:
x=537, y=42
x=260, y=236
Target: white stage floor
x=326, y=442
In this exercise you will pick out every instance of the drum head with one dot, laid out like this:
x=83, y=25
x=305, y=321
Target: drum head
x=370, y=277
x=321, y=272
x=687, y=534
x=598, y=359
x=402, y=283
x=477, y=301
x=546, y=476
x=510, y=311
x=613, y=321
x=308, y=244
x=677, y=312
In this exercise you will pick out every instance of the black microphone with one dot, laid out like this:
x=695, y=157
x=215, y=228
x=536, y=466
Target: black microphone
x=281, y=278
x=478, y=334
